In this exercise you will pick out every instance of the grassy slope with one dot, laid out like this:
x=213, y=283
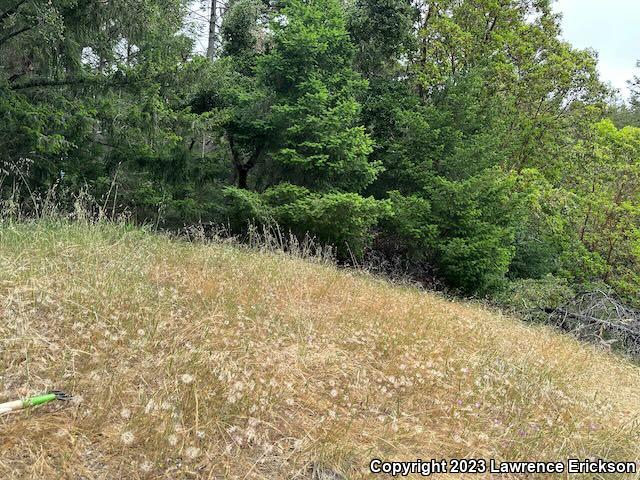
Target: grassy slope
x=206, y=360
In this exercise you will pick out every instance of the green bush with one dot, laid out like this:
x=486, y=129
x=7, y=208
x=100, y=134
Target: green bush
x=284, y=194
x=477, y=219
x=344, y=220
x=243, y=207
x=409, y=227
x=476, y=264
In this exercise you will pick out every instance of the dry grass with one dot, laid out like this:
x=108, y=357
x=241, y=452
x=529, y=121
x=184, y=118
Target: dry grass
x=207, y=361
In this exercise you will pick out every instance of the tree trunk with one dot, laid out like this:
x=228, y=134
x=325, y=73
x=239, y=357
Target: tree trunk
x=243, y=173
x=213, y=19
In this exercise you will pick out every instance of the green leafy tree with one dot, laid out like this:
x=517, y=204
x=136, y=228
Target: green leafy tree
x=318, y=141
x=383, y=32
x=463, y=136
x=476, y=219
x=102, y=82
x=606, y=182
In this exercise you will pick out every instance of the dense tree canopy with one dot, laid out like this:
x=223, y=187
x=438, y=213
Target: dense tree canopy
x=462, y=137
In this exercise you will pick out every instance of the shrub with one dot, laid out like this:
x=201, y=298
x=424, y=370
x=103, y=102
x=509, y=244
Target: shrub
x=409, y=227
x=242, y=207
x=476, y=264
x=341, y=219
x=477, y=219
x=284, y=194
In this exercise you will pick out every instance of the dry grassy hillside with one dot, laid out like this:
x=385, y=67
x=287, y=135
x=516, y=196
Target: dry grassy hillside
x=208, y=361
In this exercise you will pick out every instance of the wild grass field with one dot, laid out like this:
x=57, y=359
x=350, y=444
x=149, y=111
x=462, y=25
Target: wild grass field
x=194, y=360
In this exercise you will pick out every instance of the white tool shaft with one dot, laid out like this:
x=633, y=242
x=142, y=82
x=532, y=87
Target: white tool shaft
x=11, y=406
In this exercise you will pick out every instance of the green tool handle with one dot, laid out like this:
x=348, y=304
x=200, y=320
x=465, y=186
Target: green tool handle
x=39, y=400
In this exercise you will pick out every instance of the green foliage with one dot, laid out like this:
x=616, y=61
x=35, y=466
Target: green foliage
x=383, y=32
x=315, y=113
x=285, y=194
x=476, y=220
x=476, y=263
x=463, y=136
x=628, y=113
x=242, y=207
x=606, y=185
x=544, y=233
x=240, y=29
x=408, y=229
x=340, y=219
